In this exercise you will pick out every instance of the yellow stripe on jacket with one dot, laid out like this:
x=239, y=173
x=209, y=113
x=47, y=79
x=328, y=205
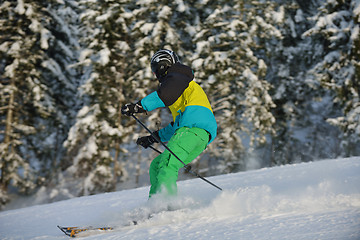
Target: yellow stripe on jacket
x=193, y=95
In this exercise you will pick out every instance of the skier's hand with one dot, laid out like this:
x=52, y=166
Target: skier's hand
x=146, y=141
x=131, y=108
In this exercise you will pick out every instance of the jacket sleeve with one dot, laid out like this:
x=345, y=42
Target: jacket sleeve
x=152, y=101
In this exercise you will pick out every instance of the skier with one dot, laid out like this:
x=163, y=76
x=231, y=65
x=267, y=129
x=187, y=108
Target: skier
x=193, y=126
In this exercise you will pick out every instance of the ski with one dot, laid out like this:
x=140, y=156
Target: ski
x=137, y=220
x=75, y=231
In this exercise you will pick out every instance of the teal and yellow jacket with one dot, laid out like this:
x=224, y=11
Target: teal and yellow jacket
x=186, y=100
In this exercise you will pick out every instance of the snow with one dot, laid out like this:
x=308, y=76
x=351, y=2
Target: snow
x=20, y=7
x=45, y=34
x=278, y=17
x=103, y=17
x=355, y=33
x=181, y=6
x=10, y=70
x=317, y=200
x=196, y=64
x=104, y=56
x=164, y=13
x=146, y=28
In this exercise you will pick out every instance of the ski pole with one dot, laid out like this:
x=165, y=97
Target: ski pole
x=166, y=147
x=155, y=149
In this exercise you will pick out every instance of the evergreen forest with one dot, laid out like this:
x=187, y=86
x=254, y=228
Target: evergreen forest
x=283, y=79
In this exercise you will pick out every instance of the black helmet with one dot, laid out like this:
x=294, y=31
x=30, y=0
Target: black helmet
x=161, y=61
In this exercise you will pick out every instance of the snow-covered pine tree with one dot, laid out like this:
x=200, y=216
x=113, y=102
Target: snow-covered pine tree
x=22, y=93
x=94, y=140
x=234, y=77
x=37, y=90
x=298, y=114
x=337, y=29
x=62, y=80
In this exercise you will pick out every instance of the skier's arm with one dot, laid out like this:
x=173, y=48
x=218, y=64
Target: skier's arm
x=152, y=101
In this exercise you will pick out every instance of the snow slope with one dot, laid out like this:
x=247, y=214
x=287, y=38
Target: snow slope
x=318, y=200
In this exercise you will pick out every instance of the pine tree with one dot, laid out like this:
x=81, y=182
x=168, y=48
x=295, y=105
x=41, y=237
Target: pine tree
x=62, y=81
x=302, y=134
x=94, y=140
x=226, y=61
x=292, y=93
x=21, y=91
x=37, y=91
x=337, y=28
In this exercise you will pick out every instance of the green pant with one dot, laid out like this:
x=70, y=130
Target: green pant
x=187, y=144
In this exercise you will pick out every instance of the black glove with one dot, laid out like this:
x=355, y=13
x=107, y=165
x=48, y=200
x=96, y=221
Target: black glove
x=131, y=108
x=147, y=141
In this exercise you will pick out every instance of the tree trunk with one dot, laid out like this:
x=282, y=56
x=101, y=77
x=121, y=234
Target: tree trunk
x=7, y=136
